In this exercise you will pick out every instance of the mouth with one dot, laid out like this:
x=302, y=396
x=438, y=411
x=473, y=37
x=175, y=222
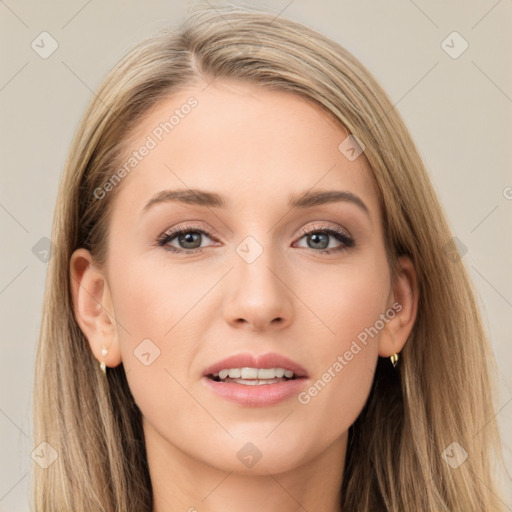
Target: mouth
x=256, y=380
x=252, y=369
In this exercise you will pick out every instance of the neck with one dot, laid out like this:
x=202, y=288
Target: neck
x=182, y=483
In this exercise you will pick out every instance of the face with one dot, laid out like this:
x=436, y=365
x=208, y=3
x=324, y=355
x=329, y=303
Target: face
x=252, y=276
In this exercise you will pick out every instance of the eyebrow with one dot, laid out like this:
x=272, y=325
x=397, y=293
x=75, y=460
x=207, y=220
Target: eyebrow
x=307, y=199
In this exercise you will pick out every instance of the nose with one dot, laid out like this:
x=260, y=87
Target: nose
x=258, y=295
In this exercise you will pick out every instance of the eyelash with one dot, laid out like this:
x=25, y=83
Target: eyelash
x=337, y=233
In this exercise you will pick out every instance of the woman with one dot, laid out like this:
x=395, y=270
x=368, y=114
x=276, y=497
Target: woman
x=256, y=303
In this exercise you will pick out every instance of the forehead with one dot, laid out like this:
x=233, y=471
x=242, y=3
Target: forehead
x=251, y=144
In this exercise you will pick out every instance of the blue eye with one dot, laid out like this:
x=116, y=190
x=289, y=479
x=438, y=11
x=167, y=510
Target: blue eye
x=321, y=237
x=190, y=239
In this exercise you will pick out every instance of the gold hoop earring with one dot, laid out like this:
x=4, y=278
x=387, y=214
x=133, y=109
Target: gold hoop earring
x=394, y=359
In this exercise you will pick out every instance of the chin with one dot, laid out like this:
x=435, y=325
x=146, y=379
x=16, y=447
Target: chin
x=256, y=455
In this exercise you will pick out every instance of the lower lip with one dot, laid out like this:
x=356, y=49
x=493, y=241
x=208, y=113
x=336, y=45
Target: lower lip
x=256, y=396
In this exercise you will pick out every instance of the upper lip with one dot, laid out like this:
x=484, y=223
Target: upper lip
x=269, y=360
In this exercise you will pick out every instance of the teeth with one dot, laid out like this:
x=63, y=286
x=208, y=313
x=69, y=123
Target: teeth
x=254, y=374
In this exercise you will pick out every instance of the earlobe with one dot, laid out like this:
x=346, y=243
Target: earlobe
x=404, y=302
x=93, y=308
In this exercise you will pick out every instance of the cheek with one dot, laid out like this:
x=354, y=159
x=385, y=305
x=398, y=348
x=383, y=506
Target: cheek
x=152, y=300
x=349, y=303
x=345, y=300
x=163, y=310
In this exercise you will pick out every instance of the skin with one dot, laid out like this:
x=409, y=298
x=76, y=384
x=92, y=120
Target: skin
x=255, y=147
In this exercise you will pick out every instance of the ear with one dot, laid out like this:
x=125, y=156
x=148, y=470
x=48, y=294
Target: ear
x=404, y=302
x=93, y=307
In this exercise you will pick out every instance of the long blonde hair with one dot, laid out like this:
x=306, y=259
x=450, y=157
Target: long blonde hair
x=443, y=390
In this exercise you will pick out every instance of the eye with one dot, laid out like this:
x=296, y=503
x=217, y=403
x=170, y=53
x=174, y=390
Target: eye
x=319, y=239
x=188, y=239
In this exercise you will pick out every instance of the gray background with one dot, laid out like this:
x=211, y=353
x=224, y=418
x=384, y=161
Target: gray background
x=459, y=111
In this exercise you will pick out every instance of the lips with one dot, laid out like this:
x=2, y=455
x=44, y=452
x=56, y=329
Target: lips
x=261, y=361
x=252, y=392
